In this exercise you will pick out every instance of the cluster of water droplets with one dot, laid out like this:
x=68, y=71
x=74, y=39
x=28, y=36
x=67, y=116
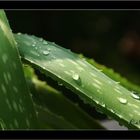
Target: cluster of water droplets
x=43, y=50
x=76, y=77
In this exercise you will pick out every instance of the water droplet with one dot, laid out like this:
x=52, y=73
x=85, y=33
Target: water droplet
x=135, y=96
x=46, y=52
x=75, y=77
x=18, y=33
x=122, y=100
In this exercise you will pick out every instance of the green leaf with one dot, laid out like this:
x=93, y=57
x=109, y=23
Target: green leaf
x=16, y=107
x=45, y=96
x=113, y=75
x=93, y=86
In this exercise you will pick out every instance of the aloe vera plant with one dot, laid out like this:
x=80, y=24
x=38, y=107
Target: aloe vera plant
x=16, y=106
x=87, y=81
x=45, y=96
x=115, y=76
x=67, y=68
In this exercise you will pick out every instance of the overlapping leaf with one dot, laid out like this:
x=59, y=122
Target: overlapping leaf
x=16, y=107
x=84, y=79
x=58, y=108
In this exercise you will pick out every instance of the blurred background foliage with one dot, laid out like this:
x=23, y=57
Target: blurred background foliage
x=112, y=38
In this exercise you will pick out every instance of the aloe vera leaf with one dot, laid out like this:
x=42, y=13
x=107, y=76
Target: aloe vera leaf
x=16, y=107
x=46, y=96
x=46, y=118
x=93, y=86
x=113, y=75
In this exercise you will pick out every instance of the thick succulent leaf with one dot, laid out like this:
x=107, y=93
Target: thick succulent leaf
x=88, y=82
x=45, y=96
x=16, y=107
x=114, y=75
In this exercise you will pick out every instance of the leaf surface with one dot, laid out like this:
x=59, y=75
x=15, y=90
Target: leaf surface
x=56, y=103
x=93, y=86
x=114, y=75
x=16, y=107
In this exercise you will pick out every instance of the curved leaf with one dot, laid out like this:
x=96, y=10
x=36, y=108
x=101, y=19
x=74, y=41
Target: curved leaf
x=16, y=107
x=88, y=82
x=54, y=101
x=113, y=75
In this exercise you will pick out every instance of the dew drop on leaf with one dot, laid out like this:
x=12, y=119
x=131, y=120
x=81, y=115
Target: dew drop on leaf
x=18, y=33
x=76, y=77
x=135, y=96
x=34, y=44
x=45, y=52
x=122, y=100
